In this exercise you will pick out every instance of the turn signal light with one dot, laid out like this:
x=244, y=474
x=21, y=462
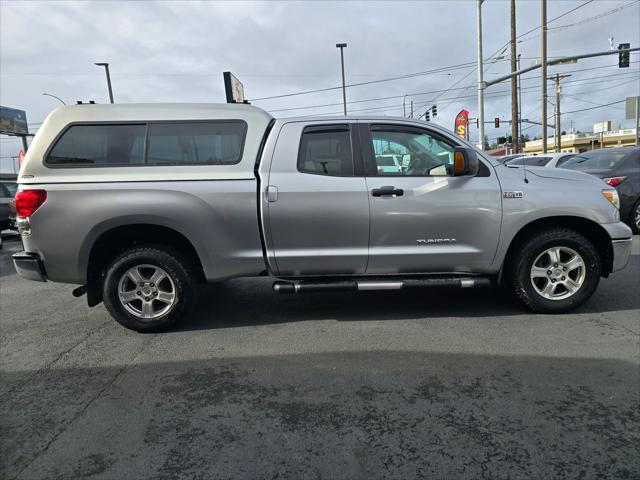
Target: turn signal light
x=612, y=196
x=613, y=181
x=458, y=163
x=28, y=201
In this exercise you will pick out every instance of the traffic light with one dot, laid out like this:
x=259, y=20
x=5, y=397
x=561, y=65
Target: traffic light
x=426, y=116
x=623, y=57
x=496, y=122
x=434, y=110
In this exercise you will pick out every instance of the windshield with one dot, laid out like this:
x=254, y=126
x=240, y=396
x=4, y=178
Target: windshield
x=595, y=160
x=529, y=161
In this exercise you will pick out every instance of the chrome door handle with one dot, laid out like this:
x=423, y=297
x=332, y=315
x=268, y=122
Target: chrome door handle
x=388, y=191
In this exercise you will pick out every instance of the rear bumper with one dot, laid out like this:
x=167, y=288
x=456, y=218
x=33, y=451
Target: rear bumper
x=29, y=266
x=621, y=253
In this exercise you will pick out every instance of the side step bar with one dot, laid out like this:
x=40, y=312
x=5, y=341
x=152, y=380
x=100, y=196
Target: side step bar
x=363, y=285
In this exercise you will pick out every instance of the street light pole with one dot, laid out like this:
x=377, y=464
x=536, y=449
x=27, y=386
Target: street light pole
x=480, y=77
x=544, y=75
x=106, y=69
x=342, y=46
x=57, y=98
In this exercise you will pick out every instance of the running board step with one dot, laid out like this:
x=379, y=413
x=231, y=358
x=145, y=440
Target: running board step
x=363, y=285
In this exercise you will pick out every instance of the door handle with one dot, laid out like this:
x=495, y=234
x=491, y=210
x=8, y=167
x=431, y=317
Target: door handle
x=271, y=193
x=387, y=192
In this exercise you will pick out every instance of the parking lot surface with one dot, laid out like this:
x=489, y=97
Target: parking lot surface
x=431, y=384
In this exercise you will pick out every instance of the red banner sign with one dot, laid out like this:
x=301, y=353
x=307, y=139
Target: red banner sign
x=462, y=123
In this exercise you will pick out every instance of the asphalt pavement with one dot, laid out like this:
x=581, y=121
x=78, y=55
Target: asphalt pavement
x=450, y=384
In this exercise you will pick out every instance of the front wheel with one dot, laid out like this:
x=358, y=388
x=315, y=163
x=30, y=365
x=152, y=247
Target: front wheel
x=635, y=218
x=149, y=289
x=555, y=271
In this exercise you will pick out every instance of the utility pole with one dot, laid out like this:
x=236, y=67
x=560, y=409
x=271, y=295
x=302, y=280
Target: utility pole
x=558, y=131
x=342, y=46
x=519, y=100
x=411, y=108
x=637, y=121
x=514, y=83
x=106, y=69
x=543, y=66
x=404, y=106
x=480, y=77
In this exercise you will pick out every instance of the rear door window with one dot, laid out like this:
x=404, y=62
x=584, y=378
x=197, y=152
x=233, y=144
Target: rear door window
x=326, y=150
x=86, y=145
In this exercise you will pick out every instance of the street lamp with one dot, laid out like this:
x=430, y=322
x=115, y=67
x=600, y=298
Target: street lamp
x=342, y=46
x=106, y=69
x=57, y=98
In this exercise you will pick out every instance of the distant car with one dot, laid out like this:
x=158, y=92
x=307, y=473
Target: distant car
x=8, y=187
x=550, y=161
x=620, y=168
x=506, y=158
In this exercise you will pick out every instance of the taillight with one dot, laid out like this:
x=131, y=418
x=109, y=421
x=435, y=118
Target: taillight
x=613, y=181
x=28, y=201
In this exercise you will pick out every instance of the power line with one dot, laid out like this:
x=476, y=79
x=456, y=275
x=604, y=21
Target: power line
x=370, y=82
x=459, y=66
x=306, y=107
x=580, y=81
x=495, y=94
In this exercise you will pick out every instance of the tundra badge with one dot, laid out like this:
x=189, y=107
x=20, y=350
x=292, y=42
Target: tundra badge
x=511, y=194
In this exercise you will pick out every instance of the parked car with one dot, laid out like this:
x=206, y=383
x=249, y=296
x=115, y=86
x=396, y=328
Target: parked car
x=620, y=168
x=138, y=204
x=8, y=187
x=552, y=160
x=506, y=158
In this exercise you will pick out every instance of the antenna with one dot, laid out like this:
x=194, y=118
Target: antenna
x=524, y=169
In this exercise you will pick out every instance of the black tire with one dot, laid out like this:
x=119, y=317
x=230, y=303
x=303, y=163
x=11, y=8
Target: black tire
x=633, y=216
x=520, y=267
x=182, y=281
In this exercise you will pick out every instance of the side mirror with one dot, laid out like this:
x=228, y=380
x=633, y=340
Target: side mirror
x=465, y=162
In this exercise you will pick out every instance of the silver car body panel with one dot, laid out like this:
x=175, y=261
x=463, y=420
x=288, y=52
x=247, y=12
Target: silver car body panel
x=317, y=225
x=219, y=218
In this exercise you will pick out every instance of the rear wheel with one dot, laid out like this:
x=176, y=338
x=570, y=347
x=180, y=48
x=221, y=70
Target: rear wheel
x=149, y=289
x=555, y=271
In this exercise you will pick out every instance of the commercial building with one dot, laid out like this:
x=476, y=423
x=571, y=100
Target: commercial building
x=583, y=142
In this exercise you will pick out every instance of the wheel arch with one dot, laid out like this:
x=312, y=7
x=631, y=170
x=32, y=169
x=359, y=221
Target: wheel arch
x=590, y=229
x=115, y=240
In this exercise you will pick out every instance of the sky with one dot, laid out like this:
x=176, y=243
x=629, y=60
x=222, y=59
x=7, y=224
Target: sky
x=176, y=51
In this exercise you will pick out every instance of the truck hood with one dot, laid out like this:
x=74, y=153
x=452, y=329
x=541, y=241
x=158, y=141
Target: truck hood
x=563, y=174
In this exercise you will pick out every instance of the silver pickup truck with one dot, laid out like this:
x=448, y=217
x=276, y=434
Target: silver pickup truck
x=138, y=204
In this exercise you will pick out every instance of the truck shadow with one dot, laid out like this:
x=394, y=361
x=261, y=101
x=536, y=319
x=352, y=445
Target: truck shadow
x=415, y=415
x=246, y=302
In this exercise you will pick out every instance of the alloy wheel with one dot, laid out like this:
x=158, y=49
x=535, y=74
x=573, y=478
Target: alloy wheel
x=558, y=273
x=147, y=291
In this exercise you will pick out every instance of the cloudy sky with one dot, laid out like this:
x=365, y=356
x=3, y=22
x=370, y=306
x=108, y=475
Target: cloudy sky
x=176, y=51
